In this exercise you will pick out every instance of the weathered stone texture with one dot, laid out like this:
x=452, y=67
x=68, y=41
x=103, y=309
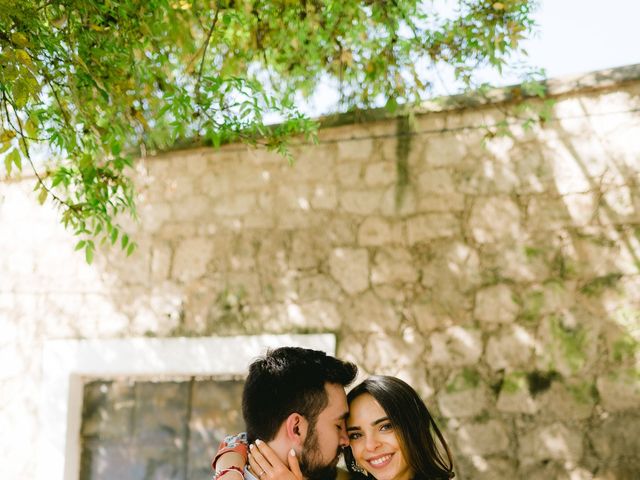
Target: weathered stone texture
x=500, y=276
x=350, y=268
x=482, y=438
x=496, y=304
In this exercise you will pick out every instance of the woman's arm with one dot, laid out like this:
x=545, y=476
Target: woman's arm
x=231, y=458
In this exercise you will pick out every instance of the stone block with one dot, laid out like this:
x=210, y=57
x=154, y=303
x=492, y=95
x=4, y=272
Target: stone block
x=350, y=268
x=517, y=262
x=318, y=286
x=438, y=181
x=619, y=391
x=192, y=208
x=399, y=201
x=349, y=174
x=510, y=349
x=567, y=343
x=191, y=259
x=292, y=197
x=427, y=319
x=454, y=264
x=488, y=177
x=196, y=163
x=456, y=346
x=377, y=231
x=463, y=397
x=444, y=150
x=515, y=396
x=616, y=443
x=387, y=352
x=432, y=226
x=368, y=313
x=360, y=202
x=340, y=230
x=567, y=400
x=317, y=314
x=309, y=248
x=380, y=174
x=317, y=164
x=547, y=214
x=495, y=219
x=234, y=205
x=246, y=177
x=153, y=215
x=355, y=149
x=555, y=442
x=581, y=207
x=324, y=197
x=450, y=202
x=478, y=467
x=495, y=304
x=393, y=265
x=482, y=438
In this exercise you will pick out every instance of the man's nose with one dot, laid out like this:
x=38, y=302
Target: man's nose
x=344, y=439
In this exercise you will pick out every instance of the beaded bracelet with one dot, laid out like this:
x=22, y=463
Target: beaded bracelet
x=232, y=468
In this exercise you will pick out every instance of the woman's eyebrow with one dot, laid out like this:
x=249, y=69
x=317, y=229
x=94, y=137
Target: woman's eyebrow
x=375, y=422
x=380, y=420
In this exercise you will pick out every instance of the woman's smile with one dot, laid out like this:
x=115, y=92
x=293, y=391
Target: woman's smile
x=380, y=460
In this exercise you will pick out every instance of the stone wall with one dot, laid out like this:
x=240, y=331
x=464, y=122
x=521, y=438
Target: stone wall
x=499, y=275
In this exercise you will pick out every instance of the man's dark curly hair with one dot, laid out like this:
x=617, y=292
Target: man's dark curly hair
x=289, y=380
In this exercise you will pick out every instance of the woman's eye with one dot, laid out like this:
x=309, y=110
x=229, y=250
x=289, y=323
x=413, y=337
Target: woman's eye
x=386, y=426
x=354, y=436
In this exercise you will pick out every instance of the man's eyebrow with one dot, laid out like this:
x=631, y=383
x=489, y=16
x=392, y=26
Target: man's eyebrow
x=343, y=416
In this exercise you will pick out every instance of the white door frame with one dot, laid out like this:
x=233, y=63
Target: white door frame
x=68, y=364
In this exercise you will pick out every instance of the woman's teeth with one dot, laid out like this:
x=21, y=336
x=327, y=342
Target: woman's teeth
x=380, y=460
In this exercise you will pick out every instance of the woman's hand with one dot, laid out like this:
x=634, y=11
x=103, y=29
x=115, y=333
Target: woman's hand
x=266, y=465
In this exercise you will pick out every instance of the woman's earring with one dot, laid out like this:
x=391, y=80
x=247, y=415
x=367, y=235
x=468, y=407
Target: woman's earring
x=358, y=468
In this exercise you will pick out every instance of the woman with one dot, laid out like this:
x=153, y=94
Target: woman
x=391, y=433
x=391, y=437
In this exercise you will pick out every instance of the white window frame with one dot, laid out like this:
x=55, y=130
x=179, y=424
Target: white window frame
x=68, y=364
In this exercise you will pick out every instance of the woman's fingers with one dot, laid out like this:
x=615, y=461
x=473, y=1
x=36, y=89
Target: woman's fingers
x=259, y=465
x=268, y=453
x=294, y=466
x=268, y=466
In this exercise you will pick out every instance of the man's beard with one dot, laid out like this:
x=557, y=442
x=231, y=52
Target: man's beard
x=311, y=463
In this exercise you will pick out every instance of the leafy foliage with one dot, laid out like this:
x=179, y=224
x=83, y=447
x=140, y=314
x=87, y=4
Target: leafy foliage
x=97, y=82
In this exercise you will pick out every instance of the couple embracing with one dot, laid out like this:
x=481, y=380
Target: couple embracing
x=299, y=420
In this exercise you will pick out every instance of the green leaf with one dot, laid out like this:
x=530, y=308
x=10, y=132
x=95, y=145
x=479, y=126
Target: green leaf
x=114, y=235
x=88, y=254
x=8, y=164
x=42, y=197
x=124, y=241
x=15, y=158
x=79, y=245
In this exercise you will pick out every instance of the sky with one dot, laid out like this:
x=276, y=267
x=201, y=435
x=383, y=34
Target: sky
x=576, y=36
x=572, y=37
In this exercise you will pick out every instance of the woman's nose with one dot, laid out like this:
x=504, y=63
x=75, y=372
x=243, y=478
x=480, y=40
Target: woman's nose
x=372, y=442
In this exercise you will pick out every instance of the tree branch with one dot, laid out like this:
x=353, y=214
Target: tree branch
x=204, y=54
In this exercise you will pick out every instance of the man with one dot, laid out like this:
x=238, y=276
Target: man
x=294, y=400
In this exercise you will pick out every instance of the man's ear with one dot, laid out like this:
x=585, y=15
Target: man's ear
x=297, y=428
